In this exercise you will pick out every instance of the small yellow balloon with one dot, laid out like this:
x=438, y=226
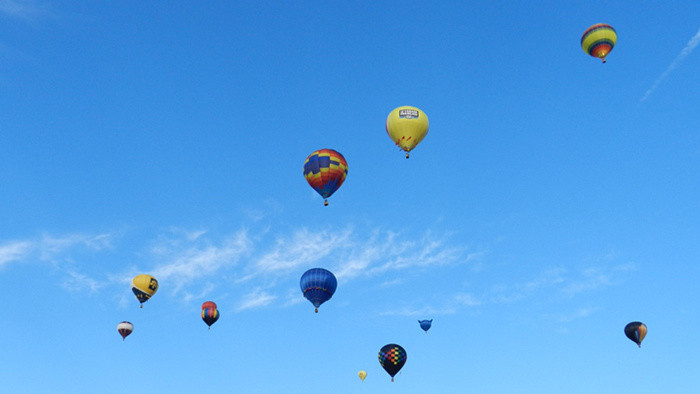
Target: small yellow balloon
x=144, y=287
x=407, y=126
x=362, y=375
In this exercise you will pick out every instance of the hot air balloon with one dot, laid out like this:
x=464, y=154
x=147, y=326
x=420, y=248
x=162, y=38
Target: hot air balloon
x=144, y=287
x=392, y=357
x=210, y=316
x=125, y=328
x=636, y=331
x=362, y=375
x=425, y=324
x=325, y=170
x=318, y=286
x=209, y=304
x=599, y=40
x=407, y=126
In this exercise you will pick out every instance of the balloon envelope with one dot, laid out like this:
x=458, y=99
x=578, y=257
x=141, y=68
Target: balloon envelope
x=598, y=40
x=209, y=304
x=144, y=287
x=425, y=324
x=210, y=315
x=125, y=328
x=636, y=331
x=325, y=170
x=318, y=285
x=392, y=357
x=362, y=375
x=407, y=126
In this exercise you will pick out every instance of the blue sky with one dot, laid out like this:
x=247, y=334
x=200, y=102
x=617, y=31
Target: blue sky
x=554, y=199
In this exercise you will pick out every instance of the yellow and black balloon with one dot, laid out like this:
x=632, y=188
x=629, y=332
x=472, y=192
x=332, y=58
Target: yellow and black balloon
x=598, y=40
x=144, y=287
x=407, y=126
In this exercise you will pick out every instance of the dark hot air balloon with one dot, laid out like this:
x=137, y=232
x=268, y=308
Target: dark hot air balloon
x=636, y=331
x=392, y=357
x=210, y=316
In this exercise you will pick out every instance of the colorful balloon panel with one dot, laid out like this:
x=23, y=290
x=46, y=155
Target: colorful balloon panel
x=325, y=170
x=209, y=304
x=392, y=358
x=125, y=328
x=636, y=331
x=407, y=126
x=598, y=40
x=318, y=286
x=210, y=315
x=144, y=287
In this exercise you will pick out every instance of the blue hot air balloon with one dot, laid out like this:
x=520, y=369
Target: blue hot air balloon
x=425, y=324
x=318, y=286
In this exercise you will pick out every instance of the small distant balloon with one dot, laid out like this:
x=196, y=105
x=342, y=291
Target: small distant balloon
x=392, y=357
x=144, y=287
x=636, y=331
x=125, y=328
x=318, y=286
x=325, y=170
x=598, y=40
x=210, y=316
x=362, y=375
x=425, y=324
x=407, y=126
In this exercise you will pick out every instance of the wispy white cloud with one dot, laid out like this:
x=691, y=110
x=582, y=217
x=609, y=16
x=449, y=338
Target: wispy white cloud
x=685, y=52
x=450, y=306
x=14, y=251
x=302, y=248
x=77, y=282
x=580, y=313
x=186, y=259
x=50, y=248
x=24, y=9
x=257, y=298
x=419, y=312
x=191, y=264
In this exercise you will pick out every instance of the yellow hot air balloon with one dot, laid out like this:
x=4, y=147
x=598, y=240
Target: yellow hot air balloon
x=407, y=126
x=144, y=286
x=598, y=40
x=362, y=375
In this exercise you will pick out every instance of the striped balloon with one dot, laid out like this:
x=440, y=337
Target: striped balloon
x=125, y=328
x=599, y=40
x=325, y=170
x=318, y=286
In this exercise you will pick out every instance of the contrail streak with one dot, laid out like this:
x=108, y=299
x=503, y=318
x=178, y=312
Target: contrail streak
x=685, y=52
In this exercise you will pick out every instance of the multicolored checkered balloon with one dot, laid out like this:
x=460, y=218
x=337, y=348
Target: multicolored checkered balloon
x=392, y=357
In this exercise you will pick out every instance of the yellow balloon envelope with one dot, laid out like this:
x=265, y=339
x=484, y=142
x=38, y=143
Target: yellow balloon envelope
x=144, y=287
x=362, y=375
x=598, y=40
x=407, y=126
